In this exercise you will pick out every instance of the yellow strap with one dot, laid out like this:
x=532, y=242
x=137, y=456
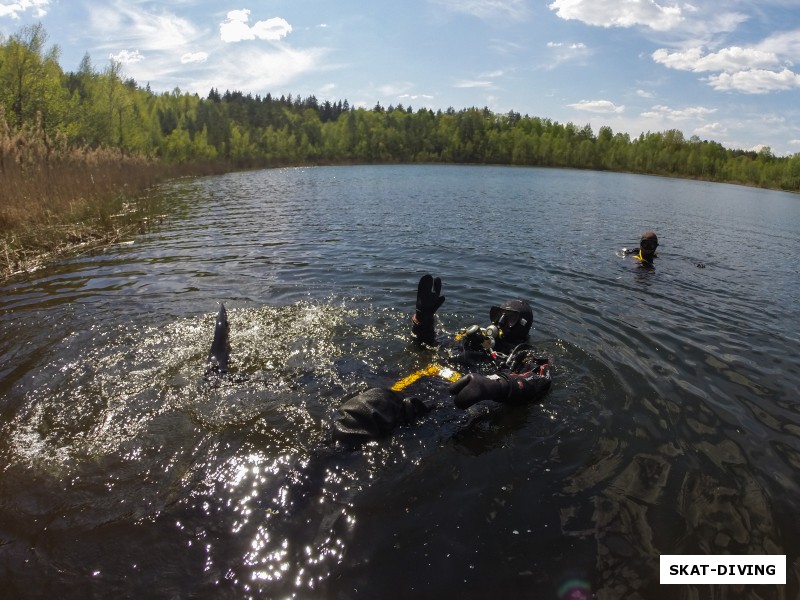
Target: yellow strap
x=641, y=258
x=430, y=371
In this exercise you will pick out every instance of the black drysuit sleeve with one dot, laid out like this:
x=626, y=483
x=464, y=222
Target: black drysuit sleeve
x=374, y=413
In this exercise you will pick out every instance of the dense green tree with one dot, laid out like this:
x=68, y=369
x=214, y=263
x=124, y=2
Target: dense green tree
x=32, y=85
x=103, y=109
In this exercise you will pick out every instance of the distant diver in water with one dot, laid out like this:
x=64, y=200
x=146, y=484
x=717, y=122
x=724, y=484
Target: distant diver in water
x=646, y=252
x=512, y=373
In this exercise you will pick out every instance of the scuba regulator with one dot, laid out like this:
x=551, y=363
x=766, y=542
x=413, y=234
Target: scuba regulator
x=481, y=338
x=509, y=325
x=510, y=322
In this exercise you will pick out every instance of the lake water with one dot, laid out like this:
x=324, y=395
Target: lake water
x=673, y=425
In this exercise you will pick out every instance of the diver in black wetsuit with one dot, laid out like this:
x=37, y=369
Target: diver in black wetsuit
x=516, y=374
x=646, y=252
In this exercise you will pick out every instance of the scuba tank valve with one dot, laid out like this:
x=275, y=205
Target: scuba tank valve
x=481, y=337
x=493, y=331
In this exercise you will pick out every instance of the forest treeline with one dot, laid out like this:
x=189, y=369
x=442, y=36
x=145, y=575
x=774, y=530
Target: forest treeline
x=77, y=148
x=93, y=109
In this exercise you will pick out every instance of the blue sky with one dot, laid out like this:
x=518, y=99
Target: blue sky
x=724, y=70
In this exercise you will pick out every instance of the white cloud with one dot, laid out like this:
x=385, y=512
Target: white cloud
x=785, y=44
x=728, y=59
x=13, y=9
x=597, y=106
x=794, y=142
x=470, y=84
x=755, y=81
x=272, y=29
x=748, y=70
x=711, y=130
x=327, y=88
x=700, y=20
x=561, y=52
x=236, y=29
x=505, y=47
x=620, y=13
x=125, y=24
x=644, y=94
x=416, y=97
x=487, y=9
x=126, y=57
x=394, y=89
x=573, y=46
x=259, y=70
x=174, y=52
x=773, y=120
x=672, y=114
x=194, y=57
x=713, y=21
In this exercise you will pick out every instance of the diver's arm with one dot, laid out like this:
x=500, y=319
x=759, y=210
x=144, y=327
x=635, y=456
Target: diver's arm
x=508, y=388
x=429, y=299
x=529, y=386
x=374, y=413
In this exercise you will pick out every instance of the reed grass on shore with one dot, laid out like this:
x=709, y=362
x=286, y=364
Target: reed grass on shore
x=56, y=198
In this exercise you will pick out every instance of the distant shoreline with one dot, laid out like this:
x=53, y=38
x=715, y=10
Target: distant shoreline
x=28, y=246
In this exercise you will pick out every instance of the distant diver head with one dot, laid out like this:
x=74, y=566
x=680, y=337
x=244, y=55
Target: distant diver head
x=649, y=243
x=513, y=318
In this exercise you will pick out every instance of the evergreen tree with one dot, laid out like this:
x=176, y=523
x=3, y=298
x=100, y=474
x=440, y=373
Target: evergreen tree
x=102, y=108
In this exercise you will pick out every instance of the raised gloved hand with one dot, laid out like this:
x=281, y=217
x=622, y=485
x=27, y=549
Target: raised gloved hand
x=429, y=299
x=429, y=295
x=473, y=388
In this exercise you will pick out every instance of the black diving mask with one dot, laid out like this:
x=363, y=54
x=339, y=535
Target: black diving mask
x=648, y=244
x=505, y=318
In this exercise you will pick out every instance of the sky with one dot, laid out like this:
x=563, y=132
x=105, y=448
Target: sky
x=723, y=70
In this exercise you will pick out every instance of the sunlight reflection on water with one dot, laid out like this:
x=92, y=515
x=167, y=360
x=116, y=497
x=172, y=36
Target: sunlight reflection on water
x=672, y=426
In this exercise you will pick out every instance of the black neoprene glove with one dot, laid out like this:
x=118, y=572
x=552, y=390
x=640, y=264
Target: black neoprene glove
x=509, y=388
x=529, y=386
x=473, y=388
x=374, y=413
x=429, y=299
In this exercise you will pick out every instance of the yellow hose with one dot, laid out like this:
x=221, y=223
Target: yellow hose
x=430, y=371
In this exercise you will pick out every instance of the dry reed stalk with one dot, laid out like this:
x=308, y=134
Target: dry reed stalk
x=54, y=196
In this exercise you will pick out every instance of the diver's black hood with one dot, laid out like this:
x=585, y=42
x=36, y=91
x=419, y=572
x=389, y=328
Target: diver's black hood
x=515, y=318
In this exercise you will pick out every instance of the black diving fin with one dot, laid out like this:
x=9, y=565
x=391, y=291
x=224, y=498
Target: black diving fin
x=218, y=357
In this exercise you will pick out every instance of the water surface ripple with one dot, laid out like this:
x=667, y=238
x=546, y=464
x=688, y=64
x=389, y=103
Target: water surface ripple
x=673, y=426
